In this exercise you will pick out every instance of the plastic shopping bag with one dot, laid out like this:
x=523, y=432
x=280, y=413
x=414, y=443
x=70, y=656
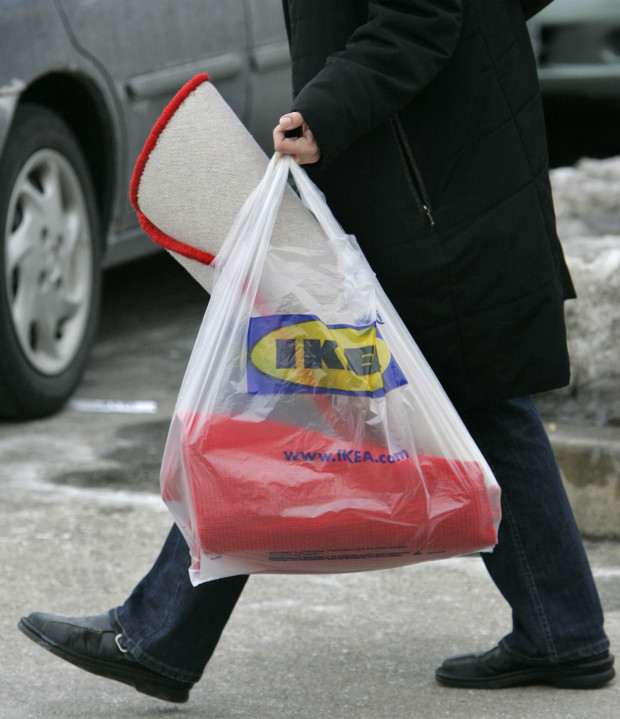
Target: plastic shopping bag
x=310, y=435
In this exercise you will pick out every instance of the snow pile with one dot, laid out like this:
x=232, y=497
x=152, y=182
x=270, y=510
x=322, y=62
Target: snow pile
x=587, y=200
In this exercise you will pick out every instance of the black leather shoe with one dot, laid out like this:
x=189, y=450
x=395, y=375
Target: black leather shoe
x=497, y=669
x=91, y=643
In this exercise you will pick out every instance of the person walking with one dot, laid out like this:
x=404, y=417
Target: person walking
x=421, y=121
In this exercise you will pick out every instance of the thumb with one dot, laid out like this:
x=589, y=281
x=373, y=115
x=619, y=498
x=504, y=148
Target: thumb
x=291, y=120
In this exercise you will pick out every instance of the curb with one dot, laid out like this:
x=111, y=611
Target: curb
x=589, y=460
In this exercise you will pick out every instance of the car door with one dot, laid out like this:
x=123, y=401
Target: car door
x=149, y=49
x=270, y=77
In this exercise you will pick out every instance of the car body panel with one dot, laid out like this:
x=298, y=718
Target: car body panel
x=270, y=80
x=579, y=11
x=577, y=43
x=133, y=56
x=38, y=26
x=154, y=49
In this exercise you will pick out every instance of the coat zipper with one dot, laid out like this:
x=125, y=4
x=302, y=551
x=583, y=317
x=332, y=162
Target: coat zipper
x=418, y=188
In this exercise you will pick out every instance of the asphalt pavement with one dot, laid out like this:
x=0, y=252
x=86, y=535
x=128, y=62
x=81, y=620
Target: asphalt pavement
x=82, y=521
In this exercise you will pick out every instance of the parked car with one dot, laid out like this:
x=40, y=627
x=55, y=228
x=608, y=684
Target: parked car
x=577, y=44
x=81, y=85
x=578, y=47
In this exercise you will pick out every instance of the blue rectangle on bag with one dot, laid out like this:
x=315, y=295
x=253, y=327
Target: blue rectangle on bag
x=299, y=353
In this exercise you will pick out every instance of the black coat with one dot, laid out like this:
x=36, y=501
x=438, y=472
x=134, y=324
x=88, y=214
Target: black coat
x=429, y=118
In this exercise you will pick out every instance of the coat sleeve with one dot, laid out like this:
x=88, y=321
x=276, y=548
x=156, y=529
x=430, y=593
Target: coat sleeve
x=387, y=61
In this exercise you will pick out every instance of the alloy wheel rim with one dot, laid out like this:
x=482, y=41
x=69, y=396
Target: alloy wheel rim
x=48, y=261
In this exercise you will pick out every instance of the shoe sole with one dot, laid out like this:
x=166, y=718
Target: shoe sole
x=143, y=684
x=588, y=676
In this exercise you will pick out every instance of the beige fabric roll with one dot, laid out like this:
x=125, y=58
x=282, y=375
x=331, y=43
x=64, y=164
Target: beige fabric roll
x=196, y=170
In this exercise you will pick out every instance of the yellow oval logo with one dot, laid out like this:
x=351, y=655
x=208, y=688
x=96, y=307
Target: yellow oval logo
x=301, y=353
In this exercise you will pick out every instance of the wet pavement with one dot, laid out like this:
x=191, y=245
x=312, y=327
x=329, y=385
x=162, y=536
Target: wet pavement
x=82, y=521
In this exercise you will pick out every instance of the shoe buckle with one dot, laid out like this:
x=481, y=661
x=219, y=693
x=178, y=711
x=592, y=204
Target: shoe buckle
x=121, y=648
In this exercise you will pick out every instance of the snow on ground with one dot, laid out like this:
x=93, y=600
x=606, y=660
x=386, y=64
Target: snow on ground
x=587, y=200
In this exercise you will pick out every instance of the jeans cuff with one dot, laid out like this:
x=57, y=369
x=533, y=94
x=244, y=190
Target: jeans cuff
x=140, y=655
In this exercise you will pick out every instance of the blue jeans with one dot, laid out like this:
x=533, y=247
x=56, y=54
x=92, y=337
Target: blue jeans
x=539, y=565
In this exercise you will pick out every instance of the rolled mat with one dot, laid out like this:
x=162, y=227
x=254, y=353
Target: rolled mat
x=197, y=168
x=295, y=500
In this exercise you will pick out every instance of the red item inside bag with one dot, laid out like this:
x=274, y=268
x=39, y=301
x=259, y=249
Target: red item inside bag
x=287, y=498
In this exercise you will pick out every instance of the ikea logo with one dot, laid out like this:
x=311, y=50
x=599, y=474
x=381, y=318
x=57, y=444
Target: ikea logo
x=300, y=353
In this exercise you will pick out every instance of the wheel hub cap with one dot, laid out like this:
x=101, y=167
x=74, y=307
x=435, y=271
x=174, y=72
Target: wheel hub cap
x=48, y=261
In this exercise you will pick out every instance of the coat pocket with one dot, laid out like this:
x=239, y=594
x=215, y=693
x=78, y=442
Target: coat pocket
x=412, y=172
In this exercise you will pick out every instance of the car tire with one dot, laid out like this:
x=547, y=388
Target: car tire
x=50, y=265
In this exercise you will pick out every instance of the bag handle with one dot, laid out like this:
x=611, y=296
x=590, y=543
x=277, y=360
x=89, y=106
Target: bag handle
x=312, y=198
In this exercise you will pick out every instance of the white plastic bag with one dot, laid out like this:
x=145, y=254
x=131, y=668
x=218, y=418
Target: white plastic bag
x=310, y=435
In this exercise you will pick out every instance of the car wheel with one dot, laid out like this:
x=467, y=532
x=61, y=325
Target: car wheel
x=50, y=265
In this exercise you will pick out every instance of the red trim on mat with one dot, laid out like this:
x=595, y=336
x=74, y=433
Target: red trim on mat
x=154, y=232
